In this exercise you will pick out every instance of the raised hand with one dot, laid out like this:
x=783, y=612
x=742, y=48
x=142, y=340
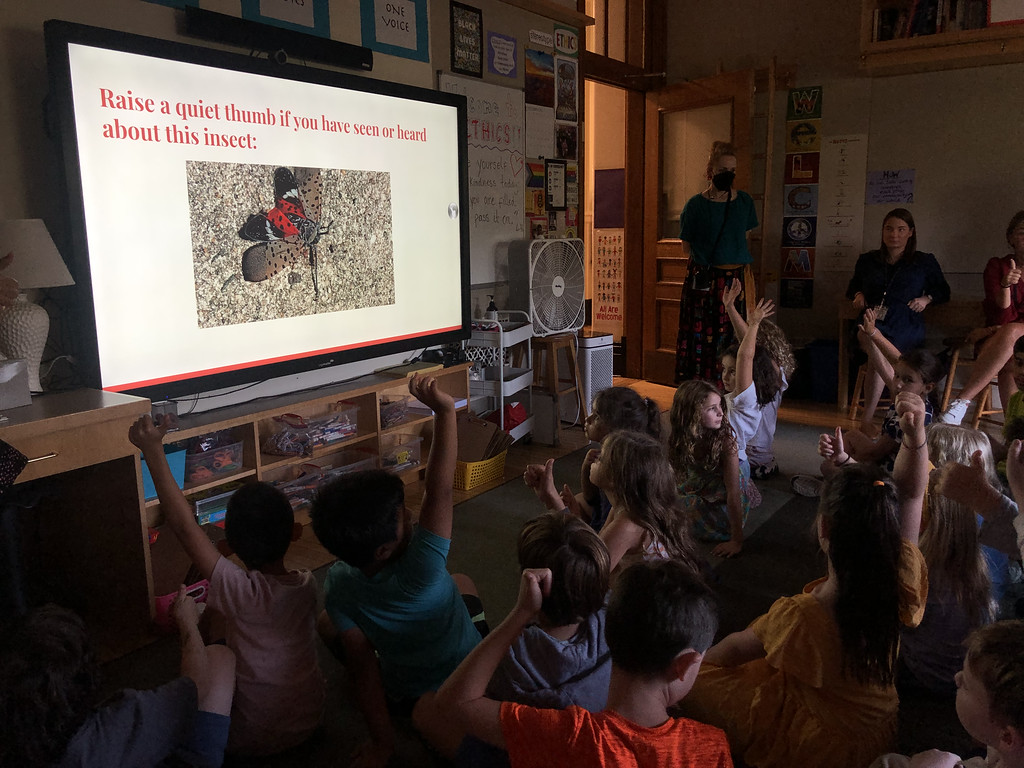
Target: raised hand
x=732, y=292
x=145, y=435
x=867, y=323
x=534, y=585
x=426, y=390
x=765, y=308
x=541, y=478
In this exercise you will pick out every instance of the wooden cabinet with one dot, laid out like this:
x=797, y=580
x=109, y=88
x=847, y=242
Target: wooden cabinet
x=369, y=400
x=79, y=514
x=887, y=47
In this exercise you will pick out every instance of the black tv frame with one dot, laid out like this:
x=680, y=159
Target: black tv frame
x=58, y=35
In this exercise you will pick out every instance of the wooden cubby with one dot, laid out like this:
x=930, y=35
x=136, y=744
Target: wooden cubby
x=83, y=534
x=950, y=48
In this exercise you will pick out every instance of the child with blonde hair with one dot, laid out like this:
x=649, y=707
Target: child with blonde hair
x=613, y=408
x=959, y=589
x=811, y=682
x=646, y=521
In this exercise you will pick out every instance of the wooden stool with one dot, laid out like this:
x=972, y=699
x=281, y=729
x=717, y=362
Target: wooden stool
x=546, y=378
x=963, y=352
x=857, y=401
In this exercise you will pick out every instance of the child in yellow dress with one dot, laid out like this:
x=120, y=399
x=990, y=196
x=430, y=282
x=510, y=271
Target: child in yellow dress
x=811, y=681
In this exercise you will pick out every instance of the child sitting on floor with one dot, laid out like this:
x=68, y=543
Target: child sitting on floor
x=393, y=614
x=613, y=409
x=646, y=521
x=960, y=590
x=773, y=364
x=661, y=619
x=48, y=680
x=811, y=682
x=268, y=611
x=917, y=371
x=561, y=660
x=989, y=703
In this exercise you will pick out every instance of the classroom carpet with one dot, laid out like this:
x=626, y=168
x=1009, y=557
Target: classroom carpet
x=780, y=555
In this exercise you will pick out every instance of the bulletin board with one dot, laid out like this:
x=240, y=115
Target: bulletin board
x=497, y=170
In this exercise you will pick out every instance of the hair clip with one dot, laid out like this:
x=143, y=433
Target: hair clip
x=879, y=482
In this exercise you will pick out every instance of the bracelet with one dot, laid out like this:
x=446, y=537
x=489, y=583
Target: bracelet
x=914, y=447
x=849, y=458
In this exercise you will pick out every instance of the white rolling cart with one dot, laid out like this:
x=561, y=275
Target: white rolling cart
x=503, y=347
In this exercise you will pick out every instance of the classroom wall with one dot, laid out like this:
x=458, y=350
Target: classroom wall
x=959, y=129
x=30, y=175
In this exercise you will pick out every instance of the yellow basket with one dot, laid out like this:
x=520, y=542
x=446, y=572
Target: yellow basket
x=470, y=474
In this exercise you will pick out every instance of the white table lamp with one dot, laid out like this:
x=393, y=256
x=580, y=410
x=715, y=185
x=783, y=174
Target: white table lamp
x=37, y=264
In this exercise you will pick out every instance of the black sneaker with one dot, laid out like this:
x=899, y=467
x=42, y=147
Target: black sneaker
x=763, y=472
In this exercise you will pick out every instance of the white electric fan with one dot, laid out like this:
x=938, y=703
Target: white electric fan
x=546, y=276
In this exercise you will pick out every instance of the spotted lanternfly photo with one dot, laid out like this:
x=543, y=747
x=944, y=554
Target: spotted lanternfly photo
x=289, y=231
x=271, y=241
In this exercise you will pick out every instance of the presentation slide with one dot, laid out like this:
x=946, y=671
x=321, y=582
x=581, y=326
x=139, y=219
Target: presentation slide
x=235, y=219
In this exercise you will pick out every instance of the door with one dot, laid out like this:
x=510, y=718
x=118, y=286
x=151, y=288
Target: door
x=681, y=123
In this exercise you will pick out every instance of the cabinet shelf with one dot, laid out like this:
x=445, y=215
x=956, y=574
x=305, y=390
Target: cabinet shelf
x=950, y=48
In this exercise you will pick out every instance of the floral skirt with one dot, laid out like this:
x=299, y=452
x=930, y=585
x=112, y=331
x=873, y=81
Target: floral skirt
x=704, y=499
x=705, y=330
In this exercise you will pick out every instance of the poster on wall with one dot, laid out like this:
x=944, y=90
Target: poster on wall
x=841, y=201
x=501, y=55
x=311, y=17
x=889, y=187
x=540, y=78
x=804, y=103
x=566, y=89
x=798, y=262
x=607, y=275
x=797, y=294
x=396, y=27
x=803, y=136
x=566, y=141
x=540, y=137
x=467, y=39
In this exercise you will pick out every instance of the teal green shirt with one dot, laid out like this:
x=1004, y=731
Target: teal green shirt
x=702, y=219
x=411, y=612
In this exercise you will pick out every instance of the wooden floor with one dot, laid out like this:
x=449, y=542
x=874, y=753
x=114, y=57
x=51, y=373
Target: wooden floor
x=307, y=552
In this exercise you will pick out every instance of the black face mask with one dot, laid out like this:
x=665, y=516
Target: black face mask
x=723, y=180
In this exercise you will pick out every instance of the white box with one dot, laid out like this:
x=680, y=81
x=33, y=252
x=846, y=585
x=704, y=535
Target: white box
x=14, y=391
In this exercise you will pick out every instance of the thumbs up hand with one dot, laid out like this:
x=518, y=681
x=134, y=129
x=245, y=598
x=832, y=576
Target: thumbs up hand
x=1013, y=276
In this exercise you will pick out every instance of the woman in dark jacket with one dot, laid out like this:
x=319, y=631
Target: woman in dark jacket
x=899, y=281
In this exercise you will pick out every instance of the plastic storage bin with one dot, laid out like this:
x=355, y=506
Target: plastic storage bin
x=401, y=452
x=176, y=459
x=393, y=410
x=470, y=474
x=202, y=467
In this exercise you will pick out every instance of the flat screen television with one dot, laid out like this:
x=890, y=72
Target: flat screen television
x=235, y=220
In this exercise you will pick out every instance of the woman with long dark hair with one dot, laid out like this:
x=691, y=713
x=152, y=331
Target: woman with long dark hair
x=898, y=282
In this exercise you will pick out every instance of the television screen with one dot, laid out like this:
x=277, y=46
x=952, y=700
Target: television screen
x=235, y=220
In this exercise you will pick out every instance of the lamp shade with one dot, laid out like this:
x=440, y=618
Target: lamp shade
x=37, y=262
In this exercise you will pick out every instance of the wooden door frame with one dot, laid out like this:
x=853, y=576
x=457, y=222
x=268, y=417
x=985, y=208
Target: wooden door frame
x=664, y=261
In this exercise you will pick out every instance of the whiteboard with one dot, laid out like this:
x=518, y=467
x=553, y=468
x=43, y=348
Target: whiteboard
x=497, y=187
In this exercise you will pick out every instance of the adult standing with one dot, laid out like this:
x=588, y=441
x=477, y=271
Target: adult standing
x=1004, y=321
x=713, y=228
x=898, y=281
